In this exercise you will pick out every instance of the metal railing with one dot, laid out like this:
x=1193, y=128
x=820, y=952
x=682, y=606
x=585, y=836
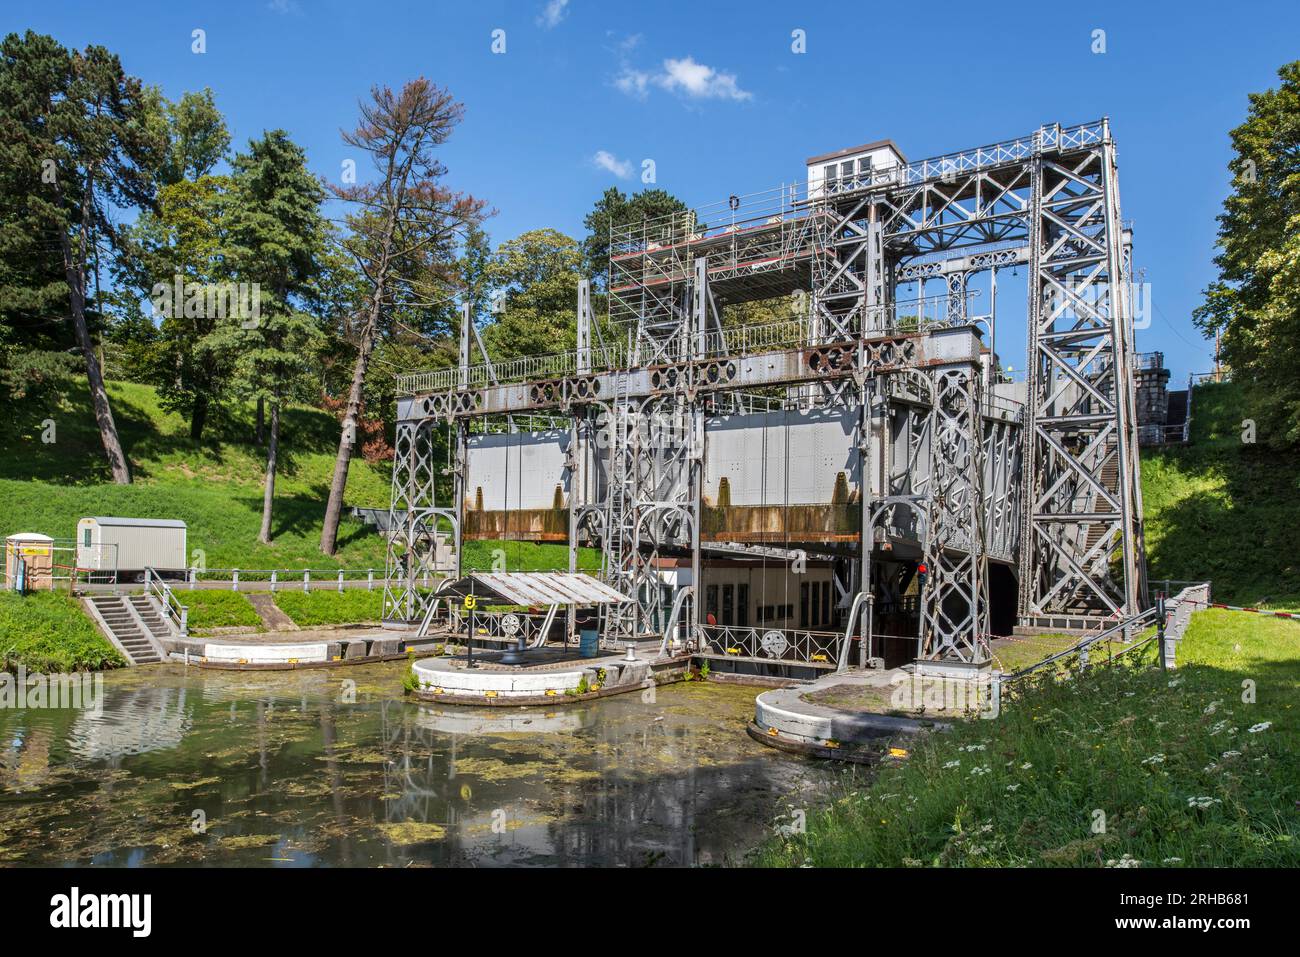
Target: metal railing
x=1126, y=627
x=506, y=625
x=1149, y=360
x=177, y=614
x=1169, y=615
x=797, y=645
x=792, y=200
x=555, y=365
x=274, y=579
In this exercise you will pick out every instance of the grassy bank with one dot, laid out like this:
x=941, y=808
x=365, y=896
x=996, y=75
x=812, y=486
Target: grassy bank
x=1223, y=509
x=1120, y=765
x=214, y=486
x=48, y=632
x=218, y=609
x=331, y=608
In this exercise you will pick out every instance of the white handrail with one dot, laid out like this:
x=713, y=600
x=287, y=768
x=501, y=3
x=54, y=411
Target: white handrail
x=178, y=614
x=858, y=599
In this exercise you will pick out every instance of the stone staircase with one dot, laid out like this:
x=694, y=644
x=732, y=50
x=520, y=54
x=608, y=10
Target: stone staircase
x=133, y=624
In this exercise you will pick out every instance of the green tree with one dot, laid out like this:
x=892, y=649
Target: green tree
x=1255, y=303
x=615, y=208
x=276, y=235
x=183, y=238
x=538, y=273
x=185, y=241
x=197, y=135
x=81, y=140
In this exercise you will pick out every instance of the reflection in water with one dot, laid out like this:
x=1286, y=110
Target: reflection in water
x=334, y=767
x=134, y=721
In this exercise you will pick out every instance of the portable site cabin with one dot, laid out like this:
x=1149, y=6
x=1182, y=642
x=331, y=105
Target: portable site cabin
x=130, y=545
x=29, y=562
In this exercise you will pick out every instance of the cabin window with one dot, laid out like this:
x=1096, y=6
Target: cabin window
x=803, y=604
x=728, y=604
x=826, y=603
x=816, y=605
x=85, y=538
x=742, y=604
x=711, y=602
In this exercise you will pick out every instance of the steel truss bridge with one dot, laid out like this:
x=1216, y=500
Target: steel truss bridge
x=948, y=463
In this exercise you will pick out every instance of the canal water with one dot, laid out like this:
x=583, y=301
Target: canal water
x=334, y=767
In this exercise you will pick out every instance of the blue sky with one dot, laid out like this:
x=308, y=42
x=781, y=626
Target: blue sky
x=714, y=94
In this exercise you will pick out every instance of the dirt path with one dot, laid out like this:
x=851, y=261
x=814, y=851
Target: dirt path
x=273, y=619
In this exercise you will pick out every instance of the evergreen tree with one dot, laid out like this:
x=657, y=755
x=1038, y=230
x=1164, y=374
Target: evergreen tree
x=276, y=233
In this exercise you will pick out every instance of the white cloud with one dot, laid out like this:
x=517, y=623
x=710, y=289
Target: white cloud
x=632, y=82
x=608, y=161
x=683, y=77
x=699, y=81
x=553, y=13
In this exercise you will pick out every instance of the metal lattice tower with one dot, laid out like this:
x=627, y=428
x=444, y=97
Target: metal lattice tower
x=1083, y=497
x=1050, y=491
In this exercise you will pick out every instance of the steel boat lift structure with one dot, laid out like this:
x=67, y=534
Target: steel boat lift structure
x=879, y=429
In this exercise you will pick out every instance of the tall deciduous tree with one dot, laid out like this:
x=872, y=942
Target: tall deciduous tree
x=405, y=215
x=185, y=238
x=1255, y=303
x=538, y=274
x=81, y=138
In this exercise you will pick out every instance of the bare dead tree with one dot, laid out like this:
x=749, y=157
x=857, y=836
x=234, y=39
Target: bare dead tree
x=404, y=215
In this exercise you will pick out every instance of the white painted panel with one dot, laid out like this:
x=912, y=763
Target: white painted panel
x=274, y=654
x=519, y=470
x=751, y=451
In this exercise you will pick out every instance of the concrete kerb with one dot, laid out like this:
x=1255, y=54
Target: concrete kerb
x=448, y=681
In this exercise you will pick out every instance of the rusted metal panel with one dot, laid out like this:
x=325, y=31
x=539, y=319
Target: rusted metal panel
x=517, y=525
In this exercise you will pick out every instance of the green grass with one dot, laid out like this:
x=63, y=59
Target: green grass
x=218, y=609
x=1015, y=653
x=526, y=557
x=215, y=486
x=1168, y=759
x=49, y=632
x=331, y=608
x=1223, y=510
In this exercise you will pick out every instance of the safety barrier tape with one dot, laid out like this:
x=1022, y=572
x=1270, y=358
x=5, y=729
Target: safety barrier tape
x=1257, y=611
